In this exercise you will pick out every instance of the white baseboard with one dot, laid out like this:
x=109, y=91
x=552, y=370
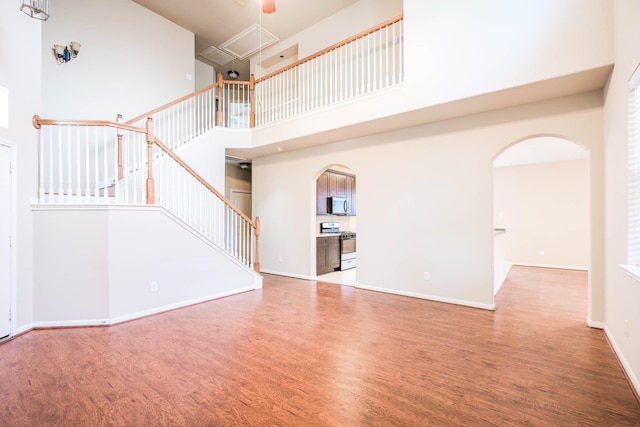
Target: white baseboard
x=22, y=329
x=181, y=304
x=70, y=323
x=595, y=325
x=625, y=365
x=137, y=315
x=560, y=267
x=429, y=297
x=282, y=273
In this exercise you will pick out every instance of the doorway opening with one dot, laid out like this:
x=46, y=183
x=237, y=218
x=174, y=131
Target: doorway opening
x=335, y=226
x=541, y=205
x=6, y=224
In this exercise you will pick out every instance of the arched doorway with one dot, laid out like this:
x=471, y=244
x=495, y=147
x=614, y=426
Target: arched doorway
x=541, y=206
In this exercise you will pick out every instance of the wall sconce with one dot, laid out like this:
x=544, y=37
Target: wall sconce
x=66, y=54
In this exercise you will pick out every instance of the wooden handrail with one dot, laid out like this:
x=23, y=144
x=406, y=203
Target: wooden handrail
x=171, y=104
x=195, y=174
x=38, y=122
x=332, y=47
x=218, y=84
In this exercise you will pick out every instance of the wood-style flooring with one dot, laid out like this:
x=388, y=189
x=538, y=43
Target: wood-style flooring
x=305, y=353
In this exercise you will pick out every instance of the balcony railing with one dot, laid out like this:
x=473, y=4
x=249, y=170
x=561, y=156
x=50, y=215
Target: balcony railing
x=363, y=64
x=366, y=63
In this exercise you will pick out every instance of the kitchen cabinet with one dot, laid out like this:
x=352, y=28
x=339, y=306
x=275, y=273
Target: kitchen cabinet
x=322, y=192
x=351, y=194
x=335, y=184
x=327, y=254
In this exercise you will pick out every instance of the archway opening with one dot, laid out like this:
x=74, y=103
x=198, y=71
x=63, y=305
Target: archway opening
x=541, y=206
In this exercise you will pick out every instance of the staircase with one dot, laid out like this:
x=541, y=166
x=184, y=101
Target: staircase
x=125, y=228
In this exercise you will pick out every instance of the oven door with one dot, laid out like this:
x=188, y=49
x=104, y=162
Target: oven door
x=347, y=253
x=348, y=246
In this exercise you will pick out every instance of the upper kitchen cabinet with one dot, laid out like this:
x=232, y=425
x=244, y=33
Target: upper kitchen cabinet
x=322, y=194
x=351, y=193
x=335, y=184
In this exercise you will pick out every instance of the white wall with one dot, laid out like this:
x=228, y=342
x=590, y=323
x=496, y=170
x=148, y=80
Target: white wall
x=20, y=61
x=622, y=291
x=95, y=265
x=460, y=48
x=205, y=75
x=546, y=209
x=424, y=199
x=71, y=267
x=206, y=155
x=358, y=17
x=131, y=60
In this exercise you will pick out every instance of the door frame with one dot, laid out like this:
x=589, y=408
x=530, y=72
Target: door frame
x=12, y=233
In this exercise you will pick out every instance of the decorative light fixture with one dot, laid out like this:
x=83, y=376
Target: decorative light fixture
x=268, y=6
x=233, y=74
x=66, y=54
x=37, y=9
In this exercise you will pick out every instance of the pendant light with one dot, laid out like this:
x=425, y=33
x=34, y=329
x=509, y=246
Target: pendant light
x=37, y=9
x=268, y=6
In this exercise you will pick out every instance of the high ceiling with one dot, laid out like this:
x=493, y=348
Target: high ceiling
x=215, y=22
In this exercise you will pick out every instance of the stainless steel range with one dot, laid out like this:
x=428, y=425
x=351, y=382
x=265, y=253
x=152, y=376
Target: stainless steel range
x=347, y=250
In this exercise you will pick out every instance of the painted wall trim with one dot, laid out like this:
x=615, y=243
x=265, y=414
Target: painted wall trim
x=635, y=383
x=296, y=276
x=429, y=297
x=595, y=325
x=138, y=315
x=560, y=267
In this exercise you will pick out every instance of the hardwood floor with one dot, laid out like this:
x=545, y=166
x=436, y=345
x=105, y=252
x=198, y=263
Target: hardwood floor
x=301, y=353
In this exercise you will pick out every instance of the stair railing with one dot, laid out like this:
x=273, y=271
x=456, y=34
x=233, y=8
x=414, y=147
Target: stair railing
x=225, y=103
x=104, y=162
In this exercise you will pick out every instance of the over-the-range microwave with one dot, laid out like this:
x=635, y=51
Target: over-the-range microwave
x=338, y=206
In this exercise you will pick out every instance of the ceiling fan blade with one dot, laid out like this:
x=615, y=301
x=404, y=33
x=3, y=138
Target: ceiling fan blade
x=268, y=6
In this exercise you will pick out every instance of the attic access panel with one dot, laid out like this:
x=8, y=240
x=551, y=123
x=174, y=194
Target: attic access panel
x=214, y=54
x=248, y=42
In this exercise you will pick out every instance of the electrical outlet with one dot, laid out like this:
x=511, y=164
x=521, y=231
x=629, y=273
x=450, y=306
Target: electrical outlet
x=280, y=259
x=427, y=275
x=541, y=253
x=154, y=286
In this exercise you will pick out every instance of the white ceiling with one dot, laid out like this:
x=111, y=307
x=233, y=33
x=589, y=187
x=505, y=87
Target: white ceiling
x=215, y=22
x=540, y=150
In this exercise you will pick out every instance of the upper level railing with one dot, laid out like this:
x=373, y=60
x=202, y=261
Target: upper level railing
x=363, y=64
x=366, y=63
x=102, y=162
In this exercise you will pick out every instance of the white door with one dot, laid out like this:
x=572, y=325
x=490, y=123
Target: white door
x=5, y=244
x=241, y=199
